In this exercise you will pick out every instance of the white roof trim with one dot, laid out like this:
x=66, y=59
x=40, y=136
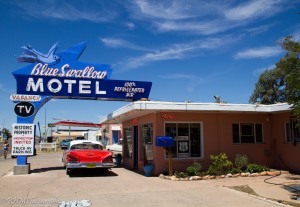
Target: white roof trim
x=145, y=107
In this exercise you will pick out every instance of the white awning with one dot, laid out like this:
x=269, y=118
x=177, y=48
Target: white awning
x=67, y=134
x=116, y=128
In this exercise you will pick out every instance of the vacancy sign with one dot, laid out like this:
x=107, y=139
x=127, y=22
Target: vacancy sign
x=22, y=139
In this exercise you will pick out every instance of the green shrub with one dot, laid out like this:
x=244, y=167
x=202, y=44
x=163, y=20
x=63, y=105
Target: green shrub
x=220, y=164
x=180, y=174
x=194, y=169
x=254, y=168
x=241, y=161
x=235, y=171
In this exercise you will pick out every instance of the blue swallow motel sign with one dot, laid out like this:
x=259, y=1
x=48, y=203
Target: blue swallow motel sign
x=61, y=76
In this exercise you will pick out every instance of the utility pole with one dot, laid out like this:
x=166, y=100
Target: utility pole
x=2, y=131
x=45, y=138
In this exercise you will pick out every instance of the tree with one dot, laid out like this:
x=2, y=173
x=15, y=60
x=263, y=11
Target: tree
x=282, y=83
x=270, y=87
x=291, y=66
x=6, y=133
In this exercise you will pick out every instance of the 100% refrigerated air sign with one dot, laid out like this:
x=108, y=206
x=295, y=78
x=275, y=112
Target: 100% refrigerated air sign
x=22, y=139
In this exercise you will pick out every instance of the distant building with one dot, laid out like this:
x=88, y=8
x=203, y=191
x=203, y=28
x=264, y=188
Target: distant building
x=111, y=133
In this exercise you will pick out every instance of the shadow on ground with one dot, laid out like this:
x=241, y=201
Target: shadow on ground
x=91, y=173
x=46, y=169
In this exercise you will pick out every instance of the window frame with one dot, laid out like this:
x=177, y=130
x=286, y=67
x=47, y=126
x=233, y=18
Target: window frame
x=290, y=130
x=257, y=129
x=147, y=146
x=127, y=150
x=175, y=148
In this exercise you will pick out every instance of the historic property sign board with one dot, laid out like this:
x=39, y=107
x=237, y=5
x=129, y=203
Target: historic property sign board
x=22, y=139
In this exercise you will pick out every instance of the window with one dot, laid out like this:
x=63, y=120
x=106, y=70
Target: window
x=187, y=139
x=128, y=142
x=247, y=133
x=147, y=134
x=292, y=132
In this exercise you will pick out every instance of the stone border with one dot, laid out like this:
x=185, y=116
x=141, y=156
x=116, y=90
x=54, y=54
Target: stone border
x=229, y=175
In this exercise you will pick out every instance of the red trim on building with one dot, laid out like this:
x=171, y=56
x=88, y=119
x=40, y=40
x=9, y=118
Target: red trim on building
x=77, y=123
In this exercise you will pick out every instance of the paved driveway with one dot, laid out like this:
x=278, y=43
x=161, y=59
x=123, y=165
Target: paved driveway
x=48, y=185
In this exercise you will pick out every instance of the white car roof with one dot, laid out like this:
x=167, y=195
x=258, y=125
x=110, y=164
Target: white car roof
x=84, y=141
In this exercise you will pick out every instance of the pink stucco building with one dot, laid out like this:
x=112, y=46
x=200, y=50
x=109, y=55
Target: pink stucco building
x=265, y=133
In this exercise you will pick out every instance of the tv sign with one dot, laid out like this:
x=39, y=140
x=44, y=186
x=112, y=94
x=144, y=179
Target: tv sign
x=24, y=109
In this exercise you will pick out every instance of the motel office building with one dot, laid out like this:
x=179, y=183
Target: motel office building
x=265, y=133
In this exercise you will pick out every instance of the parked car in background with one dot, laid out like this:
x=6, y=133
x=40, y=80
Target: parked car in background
x=79, y=138
x=83, y=154
x=64, y=144
x=115, y=148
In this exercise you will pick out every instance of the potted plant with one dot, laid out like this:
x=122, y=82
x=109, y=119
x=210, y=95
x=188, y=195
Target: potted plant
x=148, y=168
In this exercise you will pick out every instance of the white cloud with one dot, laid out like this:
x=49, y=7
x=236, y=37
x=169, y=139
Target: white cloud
x=204, y=17
x=205, y=27
x=259, y=29
x=95, y=11
x=261, y=52
x=191, y=80
x=254, y=9
x=176, y=51
x=199, y=17
x=175, y=9
x=121, y=43
x=130, y=25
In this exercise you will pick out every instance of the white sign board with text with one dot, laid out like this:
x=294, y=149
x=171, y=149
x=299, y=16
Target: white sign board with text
x=22, y=139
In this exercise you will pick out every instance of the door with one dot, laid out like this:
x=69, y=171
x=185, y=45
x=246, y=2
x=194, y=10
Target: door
x=115, y=136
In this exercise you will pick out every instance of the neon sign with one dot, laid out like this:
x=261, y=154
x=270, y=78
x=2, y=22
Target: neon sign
x=62, y=76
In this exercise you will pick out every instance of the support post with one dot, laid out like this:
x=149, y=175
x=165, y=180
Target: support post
x=169, y=152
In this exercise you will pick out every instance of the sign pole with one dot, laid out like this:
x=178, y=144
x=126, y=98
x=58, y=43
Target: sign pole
x=25, y=116
x=170, y=161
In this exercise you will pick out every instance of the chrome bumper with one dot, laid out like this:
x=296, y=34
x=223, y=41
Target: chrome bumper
x=90, y=165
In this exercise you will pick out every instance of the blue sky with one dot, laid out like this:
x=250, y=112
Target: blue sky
x=191, y=50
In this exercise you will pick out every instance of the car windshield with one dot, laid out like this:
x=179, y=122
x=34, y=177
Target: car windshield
x=86, y=146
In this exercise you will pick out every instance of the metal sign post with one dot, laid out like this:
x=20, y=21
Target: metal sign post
x=169, y=150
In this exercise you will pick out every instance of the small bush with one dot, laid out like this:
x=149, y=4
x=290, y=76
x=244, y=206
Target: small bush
x=194, y=169
x=236, y=171
x=254, y=168
x=241, y=161
x=220, y=164
x=180, y=174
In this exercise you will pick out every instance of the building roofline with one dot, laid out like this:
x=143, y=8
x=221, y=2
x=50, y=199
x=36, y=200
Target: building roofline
x=139, y=108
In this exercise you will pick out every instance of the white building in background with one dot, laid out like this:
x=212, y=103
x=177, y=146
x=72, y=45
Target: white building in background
x=94, y=135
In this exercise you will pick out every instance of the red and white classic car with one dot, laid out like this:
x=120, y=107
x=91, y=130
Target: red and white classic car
x=87, y=154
